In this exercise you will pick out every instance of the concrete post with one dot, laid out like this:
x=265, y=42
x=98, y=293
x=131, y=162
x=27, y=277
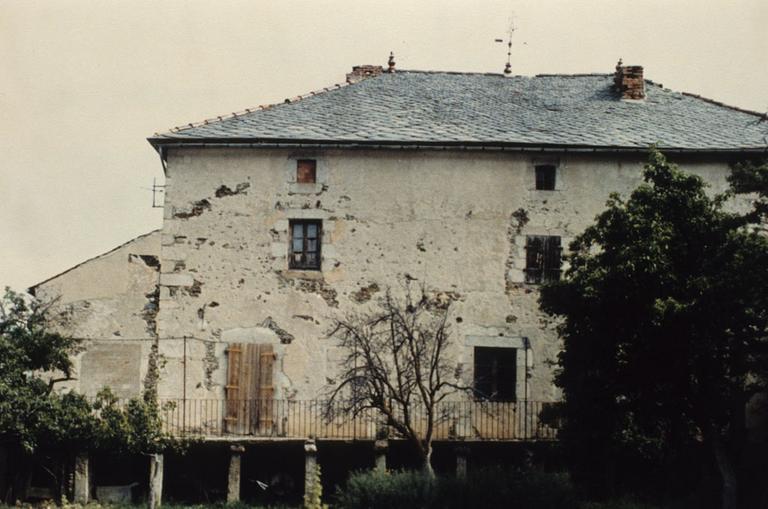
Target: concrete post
x=155, y=480
x=380, y=451
x=233, y=479
x=82, y=488
x=3, y=472
x=462, y=452
x=310, y=464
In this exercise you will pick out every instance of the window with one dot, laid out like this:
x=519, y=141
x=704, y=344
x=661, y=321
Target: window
x=306, y=171
x=305, y=244
x=495, y=373
x=545, y=177
x=543, y=258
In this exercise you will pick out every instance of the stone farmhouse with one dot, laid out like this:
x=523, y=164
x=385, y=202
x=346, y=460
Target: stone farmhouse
x=278, y=218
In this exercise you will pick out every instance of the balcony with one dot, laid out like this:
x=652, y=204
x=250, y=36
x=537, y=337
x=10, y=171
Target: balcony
x=289, y=419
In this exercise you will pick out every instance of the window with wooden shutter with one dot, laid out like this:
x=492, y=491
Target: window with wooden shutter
x=543, y=258
x=249, y=390
x=306, y=171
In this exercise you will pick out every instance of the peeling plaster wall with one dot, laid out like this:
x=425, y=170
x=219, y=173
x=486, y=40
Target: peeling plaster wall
x=111, y=302
x=451, y=220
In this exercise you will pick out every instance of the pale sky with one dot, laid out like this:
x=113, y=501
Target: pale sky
x=83, y=83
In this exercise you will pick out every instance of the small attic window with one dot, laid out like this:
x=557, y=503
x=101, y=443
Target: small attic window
x=545, y=177
x=306, y=171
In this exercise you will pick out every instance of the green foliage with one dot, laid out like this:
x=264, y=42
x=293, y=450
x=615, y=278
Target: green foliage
x=752, y=177
x=489, y=488
x=313, y=496
x=33, y=416
x=134, y=427
x=97, y=505
x=665, y=320
x=623, y=503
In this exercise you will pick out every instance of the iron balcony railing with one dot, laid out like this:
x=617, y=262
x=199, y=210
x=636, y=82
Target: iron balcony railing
x=467, y=420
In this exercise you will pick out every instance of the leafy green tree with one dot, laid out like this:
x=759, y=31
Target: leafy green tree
x=135, y=427
x=664, y=320
x=752, y=177
x=34, y=417
x=37, y=421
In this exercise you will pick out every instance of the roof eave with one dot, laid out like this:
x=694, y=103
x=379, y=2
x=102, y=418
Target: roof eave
x=160, y=143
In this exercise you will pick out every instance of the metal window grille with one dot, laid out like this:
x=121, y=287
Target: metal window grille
x=543, y=259
x=306, y=237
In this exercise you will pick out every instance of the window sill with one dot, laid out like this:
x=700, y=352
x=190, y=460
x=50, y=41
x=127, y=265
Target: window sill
x=304, y=188
x=315, y=275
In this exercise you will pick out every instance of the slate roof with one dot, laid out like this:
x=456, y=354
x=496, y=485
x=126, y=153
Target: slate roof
x=443, y=108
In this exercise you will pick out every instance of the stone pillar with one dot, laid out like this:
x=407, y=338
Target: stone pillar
x=3, y=472
x=155, y=480
x=380, y=451
x=82, y=488
x=233, y=479
x=462, y=452
x=310, y=464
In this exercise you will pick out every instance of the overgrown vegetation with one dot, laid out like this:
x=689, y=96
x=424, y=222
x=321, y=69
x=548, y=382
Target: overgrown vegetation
x=665, y=329
x=36, y=419
x=752, y=177
x=488, y=488
x=313, y=498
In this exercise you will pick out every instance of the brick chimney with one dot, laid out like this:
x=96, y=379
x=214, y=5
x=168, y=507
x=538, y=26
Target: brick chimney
x=628, y=80
x=361, y=72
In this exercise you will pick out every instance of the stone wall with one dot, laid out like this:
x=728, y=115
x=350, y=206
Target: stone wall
x=111, y=303
x=455, y=221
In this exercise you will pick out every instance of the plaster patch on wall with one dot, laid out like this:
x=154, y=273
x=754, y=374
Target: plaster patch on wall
x=151, y=308
x=224, y=190
x=155, y=362
x=441, y=300
x=197, y=209
x=513, y=275
x=113, y=365
x=521, y=216
x=317, y=286
x=195, y=290
x=365, y=293
x=256, y=334
x=210, y=364
x=285, y=337
x=150, y=261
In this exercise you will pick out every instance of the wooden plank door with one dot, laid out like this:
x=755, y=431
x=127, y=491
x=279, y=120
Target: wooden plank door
x=233, y=392
x=249, y=389
x=266, y=390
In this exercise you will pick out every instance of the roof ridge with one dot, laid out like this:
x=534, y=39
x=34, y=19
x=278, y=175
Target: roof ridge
x=434, y=71
x=763, y=116
x=261, y=107
x=574, y=75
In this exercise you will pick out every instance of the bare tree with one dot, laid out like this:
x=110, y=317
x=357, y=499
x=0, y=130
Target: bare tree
x=396, y=362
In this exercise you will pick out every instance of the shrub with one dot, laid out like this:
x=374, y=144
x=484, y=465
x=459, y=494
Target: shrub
x=488, y=488
x=383, y=490
x=622, y=503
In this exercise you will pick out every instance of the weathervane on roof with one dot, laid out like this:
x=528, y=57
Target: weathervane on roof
x=510, y=32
